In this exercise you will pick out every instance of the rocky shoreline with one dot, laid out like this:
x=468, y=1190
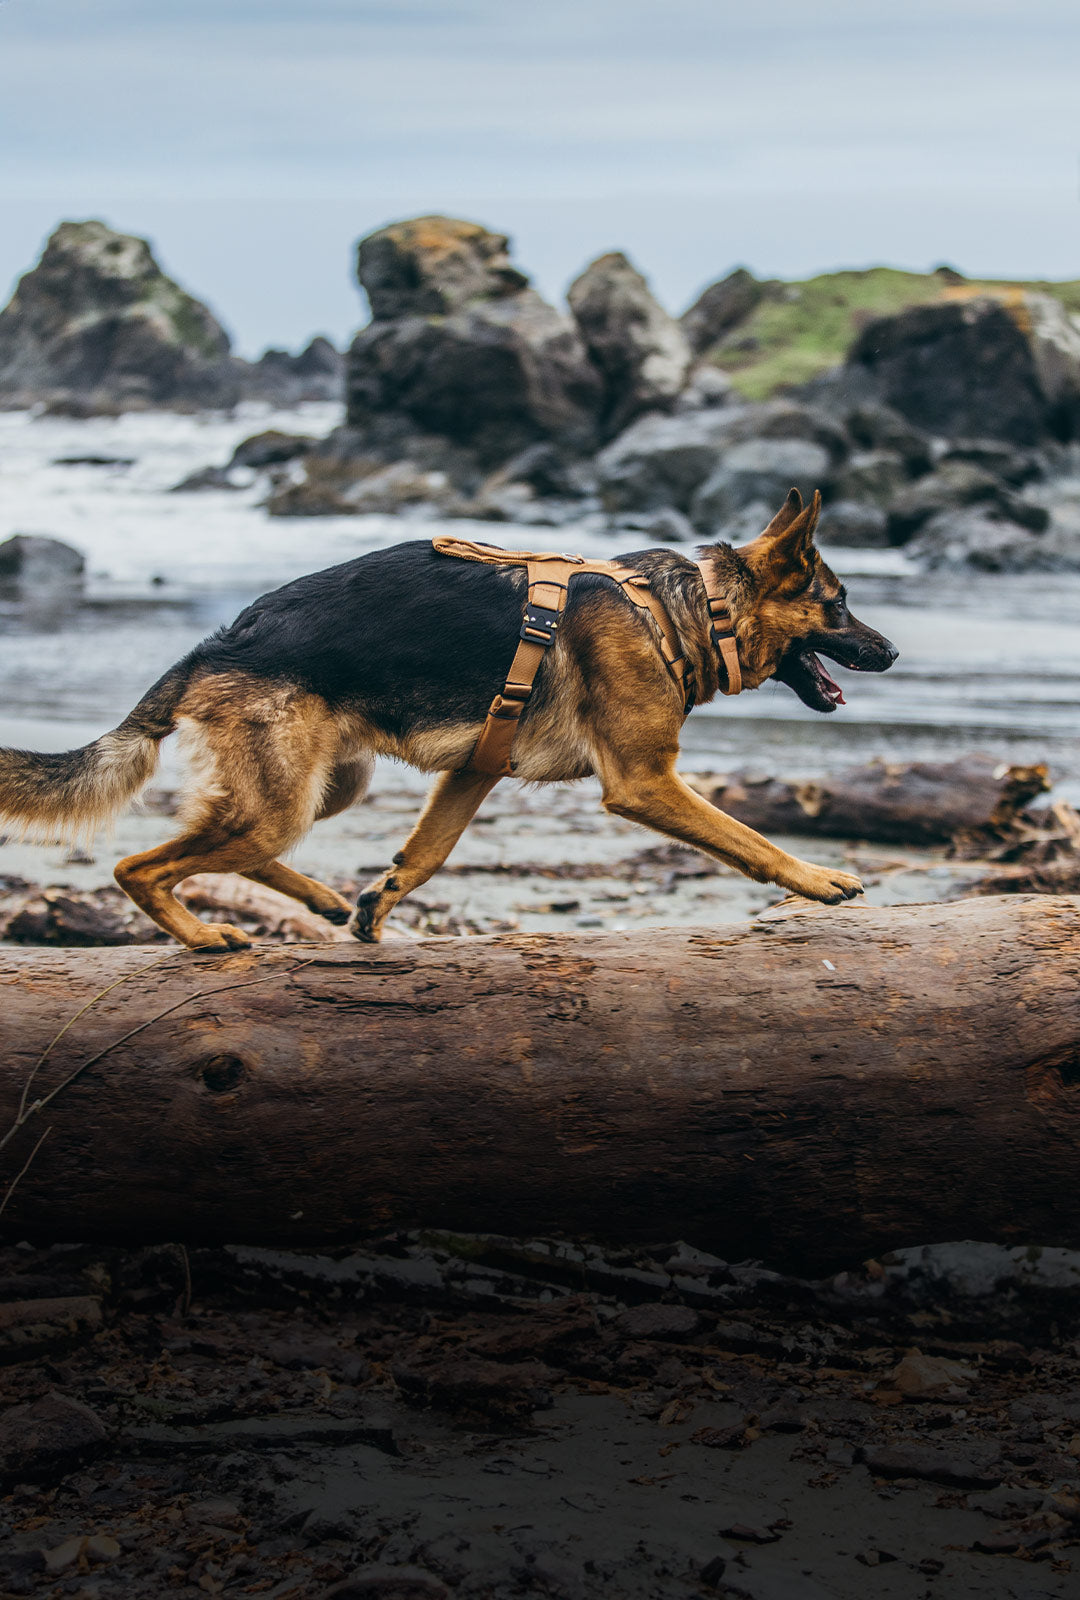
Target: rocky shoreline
x=936, y=413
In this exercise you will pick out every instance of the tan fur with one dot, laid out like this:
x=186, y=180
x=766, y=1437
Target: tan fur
x=266, y=762
x=115, y=769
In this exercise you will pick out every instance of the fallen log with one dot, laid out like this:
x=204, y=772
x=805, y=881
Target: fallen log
x=974, y=799
x=808, y=1089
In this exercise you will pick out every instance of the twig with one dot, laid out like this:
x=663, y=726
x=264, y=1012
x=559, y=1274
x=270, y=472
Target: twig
x=23, y=1170
x=92, y=1061
x=55, y=1040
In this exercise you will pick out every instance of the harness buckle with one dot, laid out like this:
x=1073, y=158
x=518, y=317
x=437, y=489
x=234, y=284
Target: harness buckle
x=540, y=624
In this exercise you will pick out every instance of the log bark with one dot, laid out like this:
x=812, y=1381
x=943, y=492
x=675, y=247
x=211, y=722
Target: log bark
x=809, y=1090
x=973, y=800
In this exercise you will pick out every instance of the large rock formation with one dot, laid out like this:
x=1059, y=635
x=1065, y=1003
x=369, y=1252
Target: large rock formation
x=461, y=347
x=98, y=321
x=642, y=353
x=998, y=367
x=316, y=373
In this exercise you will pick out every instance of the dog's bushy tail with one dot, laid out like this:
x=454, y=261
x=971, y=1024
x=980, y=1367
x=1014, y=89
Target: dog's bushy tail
x=66, y=795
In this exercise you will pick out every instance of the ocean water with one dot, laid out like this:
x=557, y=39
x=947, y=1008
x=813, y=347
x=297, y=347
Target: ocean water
x=988, y=662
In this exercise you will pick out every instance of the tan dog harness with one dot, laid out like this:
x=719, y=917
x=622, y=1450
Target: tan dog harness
x=549, y=574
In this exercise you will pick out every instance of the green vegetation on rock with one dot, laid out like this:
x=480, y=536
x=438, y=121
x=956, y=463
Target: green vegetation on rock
x=799, y=330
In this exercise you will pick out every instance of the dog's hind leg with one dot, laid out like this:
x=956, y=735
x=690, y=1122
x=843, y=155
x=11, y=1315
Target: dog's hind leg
x=347, y=784
x=656, y=796
x=453, y=801
x=265, y=754
x=217, y=846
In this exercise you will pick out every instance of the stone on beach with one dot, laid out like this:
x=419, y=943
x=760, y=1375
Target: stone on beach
x=36, y=570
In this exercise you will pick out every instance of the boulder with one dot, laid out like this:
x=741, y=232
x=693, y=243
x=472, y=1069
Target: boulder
x=354, y=488
x=642, y=353
x=47, y=1438
x=978, y=367
x=271, y=448
x=872, y=477
x=1054, y=339
x=705, y=388
x=205, y=478
x=721, y=307
x=984, y=540
x=855, y=524
x=98, y=323
x=461, y=347
x=332, y=477
x=667, y=526
x=952, y=486
x=1001, y=460
x=551, y=472
x=662, y=461
x=316, y=373
x=36, y=570
x=879, y=427
x=756, y=473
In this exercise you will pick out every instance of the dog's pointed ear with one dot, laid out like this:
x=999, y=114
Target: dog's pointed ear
x=788, y=541
x=783, y=519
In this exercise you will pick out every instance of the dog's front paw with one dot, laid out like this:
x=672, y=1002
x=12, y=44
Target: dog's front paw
x=365, y=923
x=827, y=884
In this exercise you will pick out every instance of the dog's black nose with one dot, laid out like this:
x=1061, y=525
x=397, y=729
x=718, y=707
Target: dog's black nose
x=892, y=651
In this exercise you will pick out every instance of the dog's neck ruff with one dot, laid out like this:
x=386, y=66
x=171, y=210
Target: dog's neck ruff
x=549, y=574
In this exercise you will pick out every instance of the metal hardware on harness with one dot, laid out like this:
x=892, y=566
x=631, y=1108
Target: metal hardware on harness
x=549, y=576
x=540, y=623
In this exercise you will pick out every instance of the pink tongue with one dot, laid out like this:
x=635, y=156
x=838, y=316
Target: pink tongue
x=832, y=686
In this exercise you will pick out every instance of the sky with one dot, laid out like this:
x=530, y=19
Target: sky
x=255, y=141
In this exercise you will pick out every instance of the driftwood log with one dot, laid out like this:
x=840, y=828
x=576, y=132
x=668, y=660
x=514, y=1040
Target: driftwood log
x=810, y=1090
x=974, y=801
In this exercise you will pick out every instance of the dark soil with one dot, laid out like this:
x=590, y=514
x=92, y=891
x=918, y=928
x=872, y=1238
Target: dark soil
x=434, y=1416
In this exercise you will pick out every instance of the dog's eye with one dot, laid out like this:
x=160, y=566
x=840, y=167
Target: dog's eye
x=836, y=612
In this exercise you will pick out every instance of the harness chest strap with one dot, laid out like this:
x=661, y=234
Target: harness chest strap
x=549, y=575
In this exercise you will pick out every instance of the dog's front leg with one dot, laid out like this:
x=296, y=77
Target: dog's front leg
x=453, y=801
x=661, y=800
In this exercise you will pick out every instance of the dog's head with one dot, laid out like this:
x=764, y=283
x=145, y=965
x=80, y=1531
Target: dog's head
x=793, y=610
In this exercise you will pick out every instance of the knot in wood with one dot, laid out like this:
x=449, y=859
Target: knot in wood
x=222, y=1073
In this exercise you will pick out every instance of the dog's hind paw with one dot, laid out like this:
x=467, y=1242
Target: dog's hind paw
x=218, y=936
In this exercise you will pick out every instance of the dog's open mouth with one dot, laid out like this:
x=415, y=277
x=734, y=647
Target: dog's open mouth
x=802, y=671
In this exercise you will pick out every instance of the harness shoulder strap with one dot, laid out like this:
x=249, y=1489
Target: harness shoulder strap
x=549, y=578
x=722, y=631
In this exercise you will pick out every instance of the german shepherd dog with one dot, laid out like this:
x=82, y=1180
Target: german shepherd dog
x=399, y=653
